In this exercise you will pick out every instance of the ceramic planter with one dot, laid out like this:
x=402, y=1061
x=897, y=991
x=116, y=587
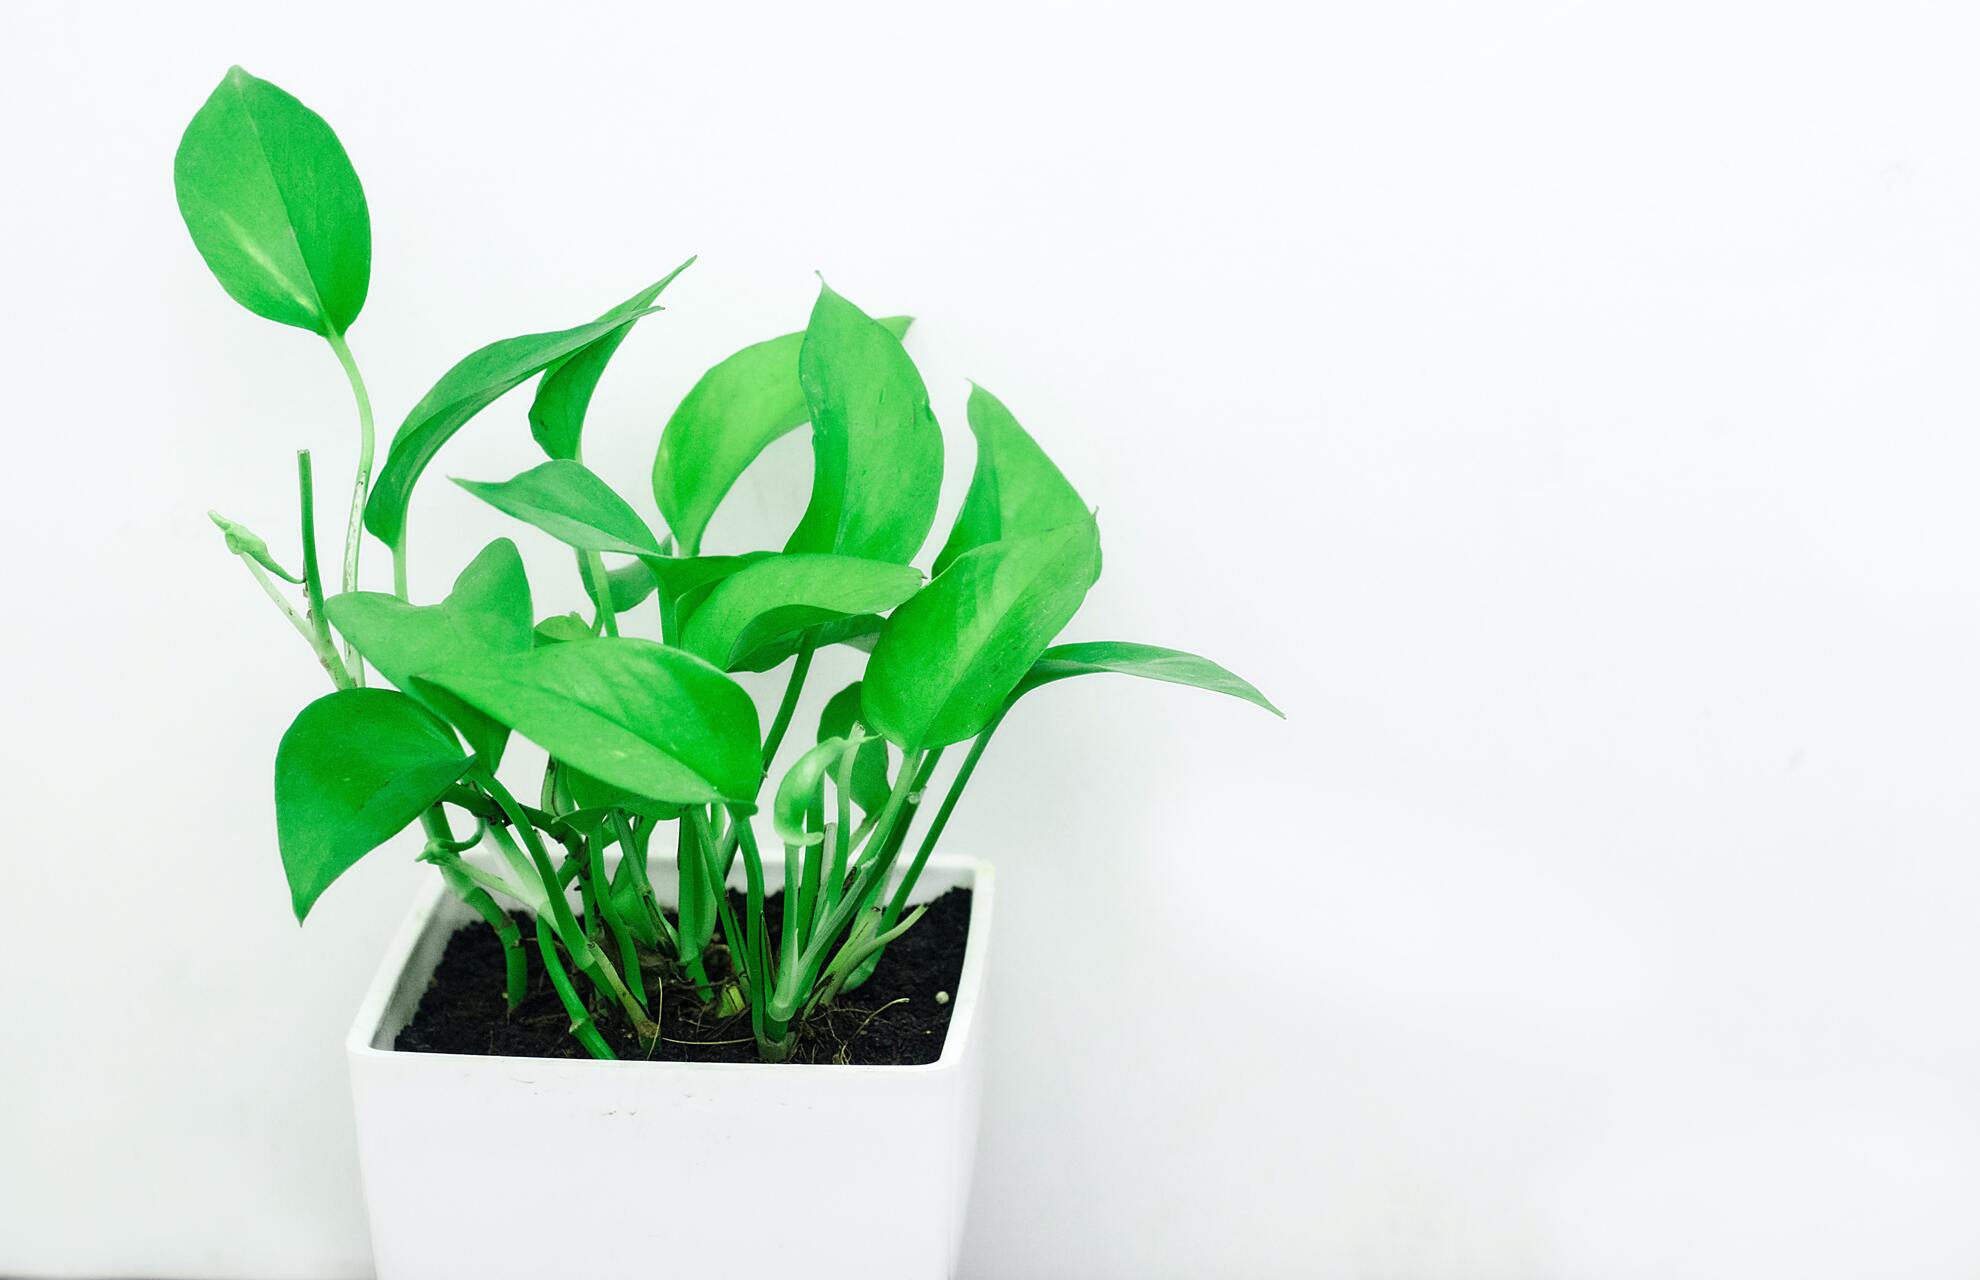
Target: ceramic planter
x=490, y=1167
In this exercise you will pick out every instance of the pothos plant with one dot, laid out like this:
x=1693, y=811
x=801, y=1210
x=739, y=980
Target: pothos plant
x=649, y=741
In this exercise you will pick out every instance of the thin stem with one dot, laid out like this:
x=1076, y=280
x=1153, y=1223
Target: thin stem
x=788, y=706
x=607, y=622
x=848, y=907
x=582, y=1026
x=367, y=447
x=516, y=975
x=941, y=819
x=326, y=650
x=615, y=925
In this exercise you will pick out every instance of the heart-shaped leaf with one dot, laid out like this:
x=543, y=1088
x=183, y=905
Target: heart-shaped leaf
x=870, y=786
x=563, y=397
x=355, y=768
x=1150, y=662
x=486, y=616
x=876, y=448
x=569, y=502
x=470, y=386
x=779, y=597
x=649, y=719
x=1015, y=489
x=947, y=659
x=729, y=417
x=274, y=206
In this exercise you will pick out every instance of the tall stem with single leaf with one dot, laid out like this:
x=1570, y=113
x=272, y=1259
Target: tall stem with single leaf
x=361, y=486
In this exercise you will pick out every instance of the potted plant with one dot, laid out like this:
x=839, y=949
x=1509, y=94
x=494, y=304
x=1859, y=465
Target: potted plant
x=677, y=1052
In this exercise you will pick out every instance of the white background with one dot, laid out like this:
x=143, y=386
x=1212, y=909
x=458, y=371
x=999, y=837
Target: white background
x=1567, y=412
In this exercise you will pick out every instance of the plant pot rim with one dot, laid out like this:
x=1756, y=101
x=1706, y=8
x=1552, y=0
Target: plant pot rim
x=382, y=997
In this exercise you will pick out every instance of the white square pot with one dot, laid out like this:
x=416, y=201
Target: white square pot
x=491, y=1167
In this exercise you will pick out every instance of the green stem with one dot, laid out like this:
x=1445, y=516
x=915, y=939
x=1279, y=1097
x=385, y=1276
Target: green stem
x=941, y=819
x=399, y=567
x=582, y=1026
x=733, y=935
x=607, y=622
x=788, y=706
x=361, y=486
x=614, y=923
x=319, y=626
x=592, y=962
x=516, y=985
x=865, y=883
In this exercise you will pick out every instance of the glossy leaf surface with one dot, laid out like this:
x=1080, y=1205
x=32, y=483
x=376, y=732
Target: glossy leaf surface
x=730, y=416
x=563, y=397
x=570, y=503
x=484, y=618
x=470, y=386
x=643, y=717
x=1015, y=488
x=947, y=659
x=355, y=768
x=876, y=448
x=274, y=206
x=779, y=597
x=1149, y=662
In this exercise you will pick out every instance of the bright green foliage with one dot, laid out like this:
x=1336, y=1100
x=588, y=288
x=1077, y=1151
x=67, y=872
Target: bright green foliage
x=1150, y=662
x=556, y=416
x=630, y=584
x=733, y=414
x=274, y=206
x=779, y=597
x=568, y=502
x=243, y=541
x=869, y=775
x=485, y=618
x=355, y=769
x=651, y=739
x=876, y=450
x=1015, y=489
x=654, y=721
x=479, y=380
x=948, y=658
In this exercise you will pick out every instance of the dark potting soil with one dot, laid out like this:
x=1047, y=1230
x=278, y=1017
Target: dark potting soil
x=894, y=1019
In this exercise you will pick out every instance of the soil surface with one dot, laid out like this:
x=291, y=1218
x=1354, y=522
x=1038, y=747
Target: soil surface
x=894, y=1019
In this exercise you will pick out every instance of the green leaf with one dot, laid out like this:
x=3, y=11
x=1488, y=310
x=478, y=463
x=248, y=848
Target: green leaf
x=948, y=658
x=800, y=796
x=1015, y=489
x=562, y=628
x=1150, y=662
x=470, y=386
x=556, y=416
x=595, y=800
x=876, y=448
x=636, y=715
x=243, y=541
x=870, y=785
x=486, y=616
x=354, y=769
x=729, y=417
x=570, y=503
x=274, y=206
x=629, y=584
x=779, y=597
